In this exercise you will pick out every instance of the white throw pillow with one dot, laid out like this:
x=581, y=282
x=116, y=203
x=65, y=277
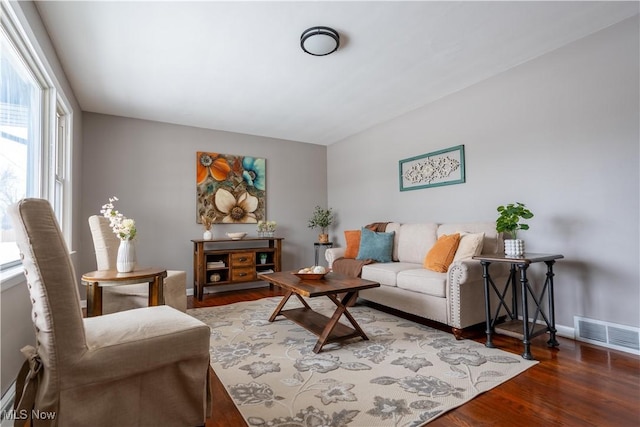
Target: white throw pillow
x=470, y=245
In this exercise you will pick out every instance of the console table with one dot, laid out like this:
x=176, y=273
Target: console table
x=227, y=261
x=523, y=329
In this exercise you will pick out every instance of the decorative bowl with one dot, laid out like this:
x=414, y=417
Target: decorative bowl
x=236, y=236
x=310, y=276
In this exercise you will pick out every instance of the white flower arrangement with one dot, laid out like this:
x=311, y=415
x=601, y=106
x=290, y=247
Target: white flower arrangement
x=266, y=227
x=123, y=227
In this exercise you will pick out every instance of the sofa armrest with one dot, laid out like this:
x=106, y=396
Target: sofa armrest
x=465, y=291
x=333, y=254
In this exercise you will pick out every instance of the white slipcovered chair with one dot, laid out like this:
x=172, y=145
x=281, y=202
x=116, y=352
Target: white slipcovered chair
x=120, y=298
x=141, y=367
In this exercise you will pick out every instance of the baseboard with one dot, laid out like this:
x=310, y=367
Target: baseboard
x=565, y=332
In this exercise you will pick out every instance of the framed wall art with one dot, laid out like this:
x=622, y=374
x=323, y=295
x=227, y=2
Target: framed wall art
x=230, y=189
x=443, y=167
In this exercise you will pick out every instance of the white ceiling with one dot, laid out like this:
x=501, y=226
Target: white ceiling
x=238, y=66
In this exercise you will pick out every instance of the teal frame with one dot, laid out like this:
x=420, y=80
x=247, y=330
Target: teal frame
x=455, y=176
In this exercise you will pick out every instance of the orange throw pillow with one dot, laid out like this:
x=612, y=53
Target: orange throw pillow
x=440, y=257
x=353, y=243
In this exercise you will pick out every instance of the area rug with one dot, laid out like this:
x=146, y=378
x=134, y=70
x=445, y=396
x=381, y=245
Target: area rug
x=407, y=374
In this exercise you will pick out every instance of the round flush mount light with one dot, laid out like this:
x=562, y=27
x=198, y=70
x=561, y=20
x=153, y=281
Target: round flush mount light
x=319, y=41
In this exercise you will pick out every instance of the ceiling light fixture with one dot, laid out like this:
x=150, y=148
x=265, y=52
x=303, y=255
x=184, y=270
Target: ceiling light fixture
x=319, y=41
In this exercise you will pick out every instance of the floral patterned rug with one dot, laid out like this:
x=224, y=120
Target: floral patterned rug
x=407, y=374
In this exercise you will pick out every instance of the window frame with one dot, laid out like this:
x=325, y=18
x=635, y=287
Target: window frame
x=54, y=164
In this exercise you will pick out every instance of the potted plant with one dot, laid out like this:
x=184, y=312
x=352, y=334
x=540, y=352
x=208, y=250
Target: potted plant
x=322, y=218
x=510, y=221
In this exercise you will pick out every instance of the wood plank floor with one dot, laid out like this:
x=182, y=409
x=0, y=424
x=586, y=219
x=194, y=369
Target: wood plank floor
x=576, y=385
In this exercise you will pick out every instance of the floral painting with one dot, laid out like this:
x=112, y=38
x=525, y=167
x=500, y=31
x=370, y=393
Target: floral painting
x=230, y=188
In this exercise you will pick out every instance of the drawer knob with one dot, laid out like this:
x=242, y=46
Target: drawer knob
x=242, y=274
x=243, y=259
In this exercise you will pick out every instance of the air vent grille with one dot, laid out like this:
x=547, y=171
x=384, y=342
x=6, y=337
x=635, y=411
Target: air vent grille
x=624, y=337
x=607, y=334
x=592, y=331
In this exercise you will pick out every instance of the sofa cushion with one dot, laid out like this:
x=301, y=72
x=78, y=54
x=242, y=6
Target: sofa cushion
x=352, y=237
x=493, y=243
x=394, y=227
x=376, y=246
x=385, y=273
x=440, y=256
x=423, y=281
x=470, y=245
x=415, y=241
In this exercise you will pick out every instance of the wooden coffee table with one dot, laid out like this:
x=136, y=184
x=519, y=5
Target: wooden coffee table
x=327, y=330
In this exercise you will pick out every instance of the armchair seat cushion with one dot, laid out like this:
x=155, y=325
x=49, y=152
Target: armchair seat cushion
x=132, y=342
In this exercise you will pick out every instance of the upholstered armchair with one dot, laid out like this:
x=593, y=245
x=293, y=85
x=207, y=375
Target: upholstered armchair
x=141, y=367
x=119, y=298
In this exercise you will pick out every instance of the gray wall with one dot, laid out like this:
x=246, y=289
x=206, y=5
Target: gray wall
x=560, y=134
x=150, y=167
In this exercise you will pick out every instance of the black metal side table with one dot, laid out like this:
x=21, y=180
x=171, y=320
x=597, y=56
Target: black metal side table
x=524, y=329
x=320, y=248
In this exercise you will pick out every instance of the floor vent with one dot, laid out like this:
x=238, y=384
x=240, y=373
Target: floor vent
x=607, y=334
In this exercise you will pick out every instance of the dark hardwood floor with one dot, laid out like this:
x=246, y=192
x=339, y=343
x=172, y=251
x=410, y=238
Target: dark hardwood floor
x=576, y=385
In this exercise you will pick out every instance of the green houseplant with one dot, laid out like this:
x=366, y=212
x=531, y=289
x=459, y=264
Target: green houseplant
x=322, y=218
x=510, y=218
x=510, y=221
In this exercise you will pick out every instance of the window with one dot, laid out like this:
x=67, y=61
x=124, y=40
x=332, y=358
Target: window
x=34, y=142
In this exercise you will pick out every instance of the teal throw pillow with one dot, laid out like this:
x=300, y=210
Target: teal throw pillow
x=375, y=246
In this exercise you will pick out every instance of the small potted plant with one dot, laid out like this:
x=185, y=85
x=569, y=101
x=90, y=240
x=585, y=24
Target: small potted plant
x=510, y=221
x=322, y=219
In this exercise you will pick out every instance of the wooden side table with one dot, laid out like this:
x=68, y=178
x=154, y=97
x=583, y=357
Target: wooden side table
x=95, y=281
x=523, y=329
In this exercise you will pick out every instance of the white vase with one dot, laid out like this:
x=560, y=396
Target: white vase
x=126, y=261
x=207, y=235
x=513, y=248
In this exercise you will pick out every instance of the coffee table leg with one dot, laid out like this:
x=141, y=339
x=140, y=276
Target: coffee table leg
x=322, y=340
x=346, y=301
x=303, y=301
x=278, y=309
x=341, y=309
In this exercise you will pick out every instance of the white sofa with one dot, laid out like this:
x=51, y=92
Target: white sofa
x=455, y=298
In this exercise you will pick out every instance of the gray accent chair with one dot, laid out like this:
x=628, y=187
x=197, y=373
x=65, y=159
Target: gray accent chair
x=142, y=367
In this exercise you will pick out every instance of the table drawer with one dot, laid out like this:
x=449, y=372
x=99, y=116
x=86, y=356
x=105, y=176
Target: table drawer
x=242, y=259
x=243, y=274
